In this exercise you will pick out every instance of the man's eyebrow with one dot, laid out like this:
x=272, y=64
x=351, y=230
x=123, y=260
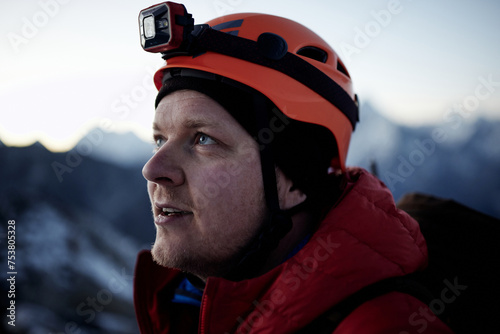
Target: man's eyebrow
x=190, y=124
x=198, y=123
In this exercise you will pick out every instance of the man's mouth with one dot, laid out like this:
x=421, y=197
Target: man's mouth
x=173, y=212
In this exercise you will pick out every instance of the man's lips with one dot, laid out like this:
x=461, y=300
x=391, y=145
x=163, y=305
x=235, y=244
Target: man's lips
x=165, y=213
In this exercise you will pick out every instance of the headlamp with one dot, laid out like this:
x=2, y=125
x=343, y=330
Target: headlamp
x=164, y=27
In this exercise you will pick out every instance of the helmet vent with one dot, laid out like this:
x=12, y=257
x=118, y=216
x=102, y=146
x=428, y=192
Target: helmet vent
x=341, y=68
x=313, y=53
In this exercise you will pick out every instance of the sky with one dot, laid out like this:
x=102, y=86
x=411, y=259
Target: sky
x=67, y=66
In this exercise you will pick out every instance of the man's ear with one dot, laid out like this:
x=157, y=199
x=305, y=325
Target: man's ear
x=289, y=195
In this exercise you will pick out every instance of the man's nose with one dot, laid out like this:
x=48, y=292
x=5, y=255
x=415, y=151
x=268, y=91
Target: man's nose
x=164, y=167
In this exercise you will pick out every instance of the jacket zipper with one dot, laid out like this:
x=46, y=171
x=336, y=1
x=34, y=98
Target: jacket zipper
x=202, y=329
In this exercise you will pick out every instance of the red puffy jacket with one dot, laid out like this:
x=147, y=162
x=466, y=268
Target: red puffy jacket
x=363, y=239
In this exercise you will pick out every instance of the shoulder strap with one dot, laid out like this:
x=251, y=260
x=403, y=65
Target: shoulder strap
x=328, y=321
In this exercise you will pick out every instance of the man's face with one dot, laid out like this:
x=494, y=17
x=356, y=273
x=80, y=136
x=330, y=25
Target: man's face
x=205, y=185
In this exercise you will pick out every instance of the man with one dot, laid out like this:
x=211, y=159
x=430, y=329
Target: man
x=260, y=226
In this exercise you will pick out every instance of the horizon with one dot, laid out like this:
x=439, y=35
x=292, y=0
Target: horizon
x=106, y=128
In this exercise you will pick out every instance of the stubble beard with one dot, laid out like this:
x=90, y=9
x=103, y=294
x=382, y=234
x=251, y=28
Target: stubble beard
x=217, y=253
x=200, y=264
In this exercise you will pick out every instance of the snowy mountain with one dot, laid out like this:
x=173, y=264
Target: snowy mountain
x=78, y=233
x=455, y=159
x=124, y=149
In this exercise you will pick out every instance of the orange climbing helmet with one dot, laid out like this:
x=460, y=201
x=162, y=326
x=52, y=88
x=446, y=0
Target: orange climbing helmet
x=285, y=61
x=287, y=64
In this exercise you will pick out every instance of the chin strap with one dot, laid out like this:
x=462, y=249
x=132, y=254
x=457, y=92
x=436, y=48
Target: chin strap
x=278, y=223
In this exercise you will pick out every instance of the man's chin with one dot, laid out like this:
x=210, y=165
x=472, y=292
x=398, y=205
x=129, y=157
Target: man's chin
x=165, y=256
x=182, y=261
x=159, y=257
x=164, y=251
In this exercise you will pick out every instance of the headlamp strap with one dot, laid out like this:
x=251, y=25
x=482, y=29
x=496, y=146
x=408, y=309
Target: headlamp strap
x=185, y=20
x=209, y=39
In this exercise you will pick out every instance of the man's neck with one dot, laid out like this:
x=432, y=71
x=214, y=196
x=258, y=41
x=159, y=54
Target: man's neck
x=303, y=226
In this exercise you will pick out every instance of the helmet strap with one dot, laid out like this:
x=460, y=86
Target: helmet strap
x=278, y=222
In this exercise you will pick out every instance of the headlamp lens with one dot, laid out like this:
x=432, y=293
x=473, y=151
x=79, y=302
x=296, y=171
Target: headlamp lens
x=149, y=27
x=162, y=24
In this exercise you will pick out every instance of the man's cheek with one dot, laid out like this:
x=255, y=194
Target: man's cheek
x=203, y=194
x=208, y=186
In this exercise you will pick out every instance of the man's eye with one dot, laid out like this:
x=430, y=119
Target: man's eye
x=203, y=139
x=159, y=142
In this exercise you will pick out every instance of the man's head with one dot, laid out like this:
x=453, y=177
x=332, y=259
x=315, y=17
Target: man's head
x=205, y=185
x=246, y=134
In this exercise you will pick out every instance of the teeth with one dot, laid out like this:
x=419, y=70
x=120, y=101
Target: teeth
x=170, y=210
